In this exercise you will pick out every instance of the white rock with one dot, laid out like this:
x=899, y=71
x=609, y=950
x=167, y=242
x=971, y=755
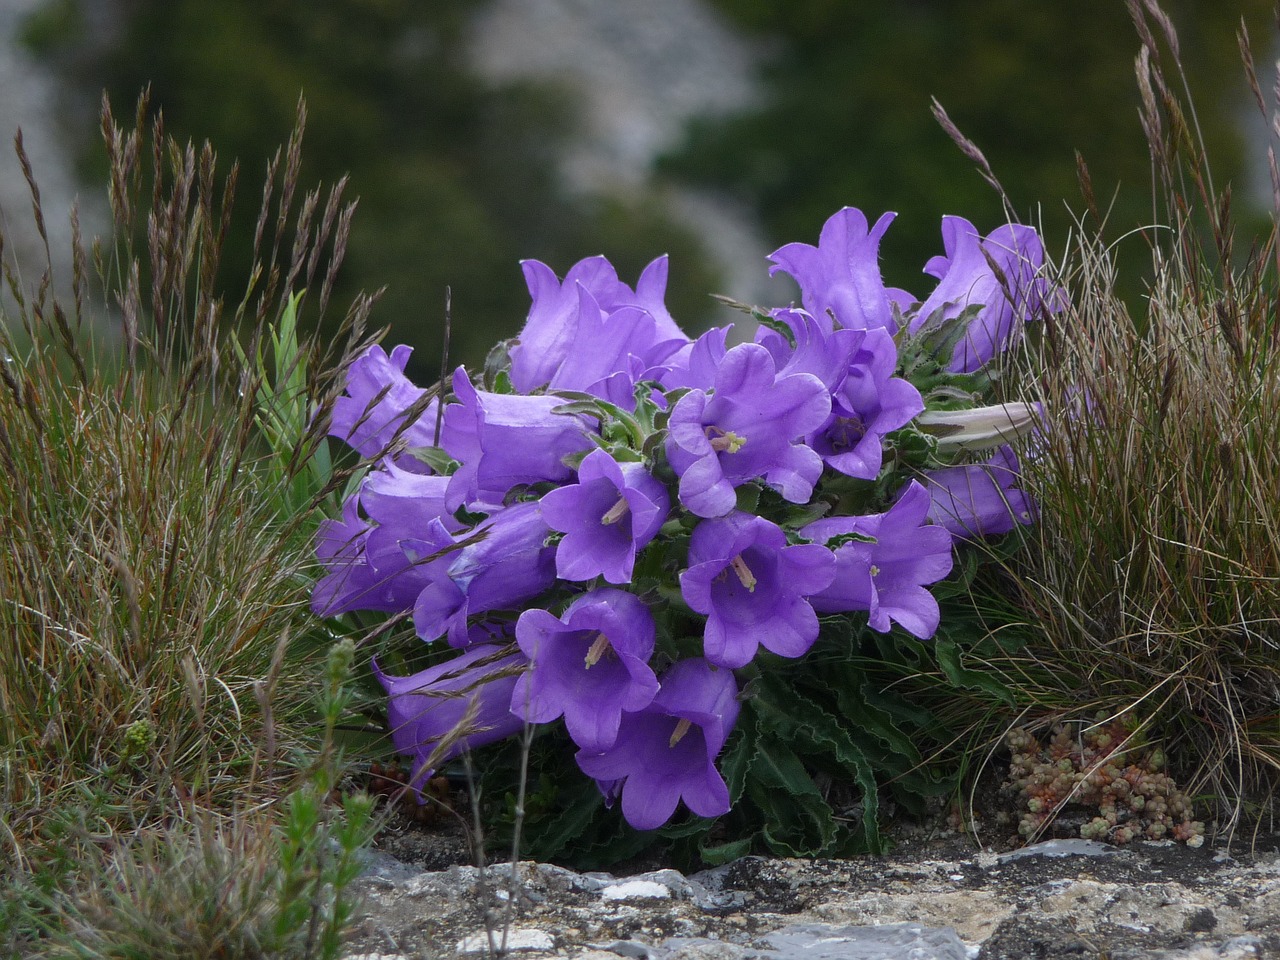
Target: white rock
x=518, y=939
x=636, y=890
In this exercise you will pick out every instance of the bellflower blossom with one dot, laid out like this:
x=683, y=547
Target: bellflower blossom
x=756, y=479
x=753, y=588
x=966, y=277
x=887, y=576
x=695, y=365
x=613, y=510
x=403, y=503
x=869, y=403
x=425, y=709
x=504, y=440
x=547, y=340
x=588, y=665
x=745, y=429
x=506, y=564
x=611, y=351
x=980, y=499
x=369, y=570
x=378, y=394
x=840, y=278
x=666, y=752
x=826, y=354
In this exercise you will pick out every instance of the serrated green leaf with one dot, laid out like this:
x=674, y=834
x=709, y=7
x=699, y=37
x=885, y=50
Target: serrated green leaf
x=555, y=834
x=739, y=753
x=797, y=821
x=952, y=666
x=802, y=722
x=590, y=408
x=777, y=326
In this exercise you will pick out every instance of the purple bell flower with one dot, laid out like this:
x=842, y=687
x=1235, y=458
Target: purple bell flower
x=610, y=352
x=745, y=429
x=340, y=547
x=370, y=570
x=826, y=354
x=404, y=506
x=695, y=365
x=427, y=707
x=666, y=752
x=373, y=409
x=503, y=440
x=753, y=588
x=886, y=577
x=589, y=665
x=966, y=277
x=980, y=499
x=612, y=512
x=869, y=403
x=507, y=564
x=548, y=338
x=840, y=281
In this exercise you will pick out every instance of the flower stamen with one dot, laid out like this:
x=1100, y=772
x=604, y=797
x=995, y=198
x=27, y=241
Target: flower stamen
x=745, y=576
x=597, y=650
x=846, y=432
x=678, y=733
x=724, y=441
x=616, y=512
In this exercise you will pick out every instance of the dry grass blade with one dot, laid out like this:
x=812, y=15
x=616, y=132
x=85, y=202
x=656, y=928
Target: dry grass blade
x=161, y=551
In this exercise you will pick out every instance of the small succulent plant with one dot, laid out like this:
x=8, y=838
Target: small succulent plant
x=1106, y=767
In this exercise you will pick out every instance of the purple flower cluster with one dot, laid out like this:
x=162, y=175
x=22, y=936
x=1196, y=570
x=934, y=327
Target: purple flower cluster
x=629, y=518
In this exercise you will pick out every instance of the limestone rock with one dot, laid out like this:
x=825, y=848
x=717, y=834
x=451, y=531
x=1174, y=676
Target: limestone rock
x=945, y=901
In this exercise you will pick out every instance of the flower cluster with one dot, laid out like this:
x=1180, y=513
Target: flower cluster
x=621, y=523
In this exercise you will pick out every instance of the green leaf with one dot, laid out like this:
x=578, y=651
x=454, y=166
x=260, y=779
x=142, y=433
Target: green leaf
x=502, y=383
x=555, y=834
x=748, y=497
x=723, y=853
x=735, y=762
x=435, y=458
x=949, y=660
x=807, y=726
x=797, y=821
x=590, y=408
x=498, y=362
x=777, y=326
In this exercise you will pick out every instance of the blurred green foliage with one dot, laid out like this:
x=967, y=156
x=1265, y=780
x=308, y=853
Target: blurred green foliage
x=455, y=176
x=846, y=118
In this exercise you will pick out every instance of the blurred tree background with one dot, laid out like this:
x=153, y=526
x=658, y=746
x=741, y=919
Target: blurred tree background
x=847, y=117
x=457, y=175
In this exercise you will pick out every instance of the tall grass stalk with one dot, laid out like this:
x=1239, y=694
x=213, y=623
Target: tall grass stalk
x=1154, y=575
x=156, y=491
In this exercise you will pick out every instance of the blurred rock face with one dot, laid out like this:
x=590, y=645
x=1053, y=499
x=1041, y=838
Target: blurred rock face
x=639, y=70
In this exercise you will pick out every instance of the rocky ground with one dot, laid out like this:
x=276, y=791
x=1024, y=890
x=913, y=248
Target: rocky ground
x=934, y=897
